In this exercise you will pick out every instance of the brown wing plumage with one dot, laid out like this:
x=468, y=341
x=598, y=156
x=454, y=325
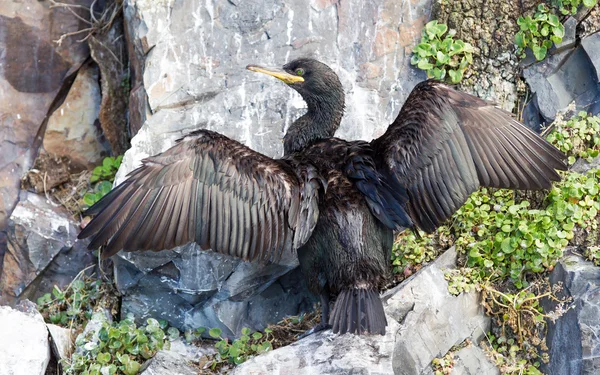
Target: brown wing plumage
x=212, y=190
x=444, y=144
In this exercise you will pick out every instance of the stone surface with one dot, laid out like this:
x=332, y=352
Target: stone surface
x=591, y=44
x=424, y=322
x=473, y=361
x=33, y=69
x=166, y=362
x=61, y=341
x=432, y=320
x=574, y=339
x=73, y=128
x=24, y=349
x=194, y=57
x=42, y=250
x=561, y=79
x=328, y=353
x=570, y=38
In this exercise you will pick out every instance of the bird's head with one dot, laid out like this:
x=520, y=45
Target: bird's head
x=311, y=78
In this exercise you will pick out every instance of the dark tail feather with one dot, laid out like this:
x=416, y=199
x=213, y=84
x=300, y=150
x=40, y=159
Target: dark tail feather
x=358, y=311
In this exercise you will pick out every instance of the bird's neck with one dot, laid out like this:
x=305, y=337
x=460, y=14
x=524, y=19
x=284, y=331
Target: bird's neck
x=320, y=122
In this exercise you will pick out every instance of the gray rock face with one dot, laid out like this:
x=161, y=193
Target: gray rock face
x=327, y=353
x=570, y=75
x=61, y=341
x=195, y=53
x=168, y=363
x=424, y=322
x=42, y=250
x=433, y=320
x=591, y=44
x=574, y=339
x=24, y=349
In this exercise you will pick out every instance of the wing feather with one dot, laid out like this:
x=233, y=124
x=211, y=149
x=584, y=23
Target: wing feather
x=214, y=191
x=445, y=144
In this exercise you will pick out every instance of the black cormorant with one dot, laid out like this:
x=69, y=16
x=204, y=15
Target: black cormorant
x=335, y=202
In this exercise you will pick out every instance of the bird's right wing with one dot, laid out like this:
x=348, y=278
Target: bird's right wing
x=212, y=190
x=445, y=144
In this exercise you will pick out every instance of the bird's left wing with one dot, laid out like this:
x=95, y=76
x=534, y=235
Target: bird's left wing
x=212, y=190
x=444, y=144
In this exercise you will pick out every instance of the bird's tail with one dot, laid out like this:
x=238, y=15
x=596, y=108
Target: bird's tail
x=358, y=311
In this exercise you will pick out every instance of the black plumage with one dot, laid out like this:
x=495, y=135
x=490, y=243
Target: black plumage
x=333, y=201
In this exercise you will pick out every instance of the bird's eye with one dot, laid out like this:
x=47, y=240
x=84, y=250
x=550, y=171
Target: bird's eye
x=299, y=72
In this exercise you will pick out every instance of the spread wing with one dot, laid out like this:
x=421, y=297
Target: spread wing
x=445, y=144
x=212, y=190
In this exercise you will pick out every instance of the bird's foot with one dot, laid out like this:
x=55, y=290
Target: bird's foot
x=319, y=327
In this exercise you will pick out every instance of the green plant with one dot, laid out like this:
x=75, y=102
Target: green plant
x=463, y=279
x=519, y=344
x=238, y=351
x=73, y=306
x=578, y=137
x=411, y=250
x=118, y=347
x=571, y=6
x=441, y=56
x=539, y=32
x=103, y=177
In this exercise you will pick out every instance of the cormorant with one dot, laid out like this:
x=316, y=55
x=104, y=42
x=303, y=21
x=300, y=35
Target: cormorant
x=335, y=202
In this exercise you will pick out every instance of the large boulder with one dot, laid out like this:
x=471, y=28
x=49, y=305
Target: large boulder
x=568, y=75
x=24, y=348
x=42, y=250
x=424, y=322
x=194, y=55
x=35, y=76
x=574, y=339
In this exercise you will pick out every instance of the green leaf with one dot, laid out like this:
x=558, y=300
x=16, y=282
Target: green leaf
x=89, y=199
x=103, y=358
x=559, y=31
x=257, y=335
x=215, y=333
x=103, y=188
x=539, y=52
x=441, y=29
x=455, y=75
x=520, y=40
x=424, y=65
x=553, y=20
x=589, y=3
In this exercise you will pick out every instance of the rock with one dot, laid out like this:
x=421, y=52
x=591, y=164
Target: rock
x=61, y=341
x=108, y=49
x=196, y=352
x=328, y=353
x=24, y=349
x=591, y=45
x=424, y=322
x=582, y=165
x=431, y=319
x=34, y=78
x=42, y=250
x=194, y=75
x=72, y=129
x=473, y=361
x=166, y=362
x=570, y=37
x=574, y=339
x=561, y=79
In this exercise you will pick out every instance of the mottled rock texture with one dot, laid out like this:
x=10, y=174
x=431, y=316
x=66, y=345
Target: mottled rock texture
x=73, y=129
x=42, y=250
x=24, y=348
x=194, y=55
x=574, y=339
x=33, y=69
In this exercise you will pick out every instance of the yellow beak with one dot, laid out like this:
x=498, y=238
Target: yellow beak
x=277, y=73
